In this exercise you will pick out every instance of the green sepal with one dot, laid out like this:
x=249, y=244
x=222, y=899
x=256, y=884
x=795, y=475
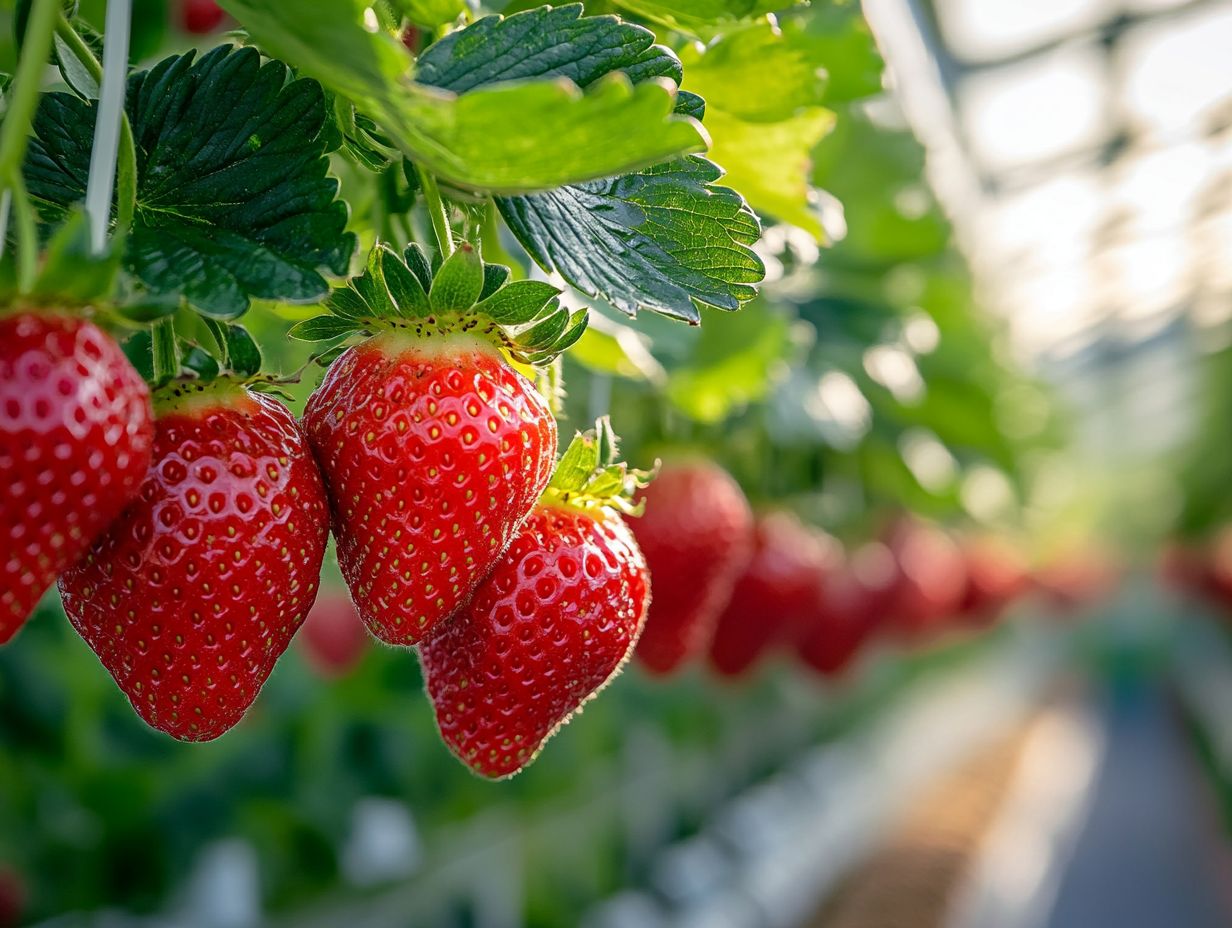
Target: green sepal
x=457, y=285
x=495, y=276
x=323, y=329
x=417, y=260
x=409, y=295
x=525, y=317
x=199, y=362
x=519, y=302
x=589, y=475
x=371, y=286
x=240, y=353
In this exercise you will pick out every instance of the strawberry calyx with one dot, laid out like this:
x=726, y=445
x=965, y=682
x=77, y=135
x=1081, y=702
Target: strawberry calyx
x=463, y=296
x=589, y=476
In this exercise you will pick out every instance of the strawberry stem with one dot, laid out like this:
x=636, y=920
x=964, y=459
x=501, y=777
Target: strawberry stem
x=436, y=213
x=105, y=155
x=166, y=351
x=126, y=180
x=22, y=103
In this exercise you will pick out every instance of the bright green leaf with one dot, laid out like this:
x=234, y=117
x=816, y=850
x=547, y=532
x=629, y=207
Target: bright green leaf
x=503, y=138
x=762, y=87
x=700, y=17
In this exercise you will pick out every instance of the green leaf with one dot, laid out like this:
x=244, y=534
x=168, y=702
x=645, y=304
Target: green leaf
x=459, y=282
x=842, y=41
x=233, y=196
x=700, y=17
x=576, y=465
x=544, y=42
x=762, y=87
x=431, y=14
x=559, y=135
x=663, y=239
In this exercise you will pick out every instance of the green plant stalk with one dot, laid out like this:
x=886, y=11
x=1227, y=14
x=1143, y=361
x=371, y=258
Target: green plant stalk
x=27, y=235
x=105, y=154
x=126, y=177
x=436, y=212
x=166, y=351
x=23, y=100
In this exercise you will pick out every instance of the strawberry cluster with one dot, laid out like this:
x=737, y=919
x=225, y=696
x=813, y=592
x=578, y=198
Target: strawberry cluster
x=735, y=588
x=188, y=524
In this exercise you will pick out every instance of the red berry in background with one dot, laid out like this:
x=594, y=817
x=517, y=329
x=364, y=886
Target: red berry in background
x=996, y=576
x=75, y=438
x=201, y=17
x=12, y=897
x=697, y=534
x=850, y=603
x=1083, y=575
x=774, y=596
x=931, y=578
x=547, y=629
x=433, y=454
x=195, y=591
x=333, y=638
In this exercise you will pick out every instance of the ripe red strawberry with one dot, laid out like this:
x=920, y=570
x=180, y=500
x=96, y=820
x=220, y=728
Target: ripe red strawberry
x=774, y=597
x=333, y=637
x=195, y=591
x=12, y=897
x=996, y=576
x=931, y=578
x=548, y=628
x=75, y=438
x=201, y=17
x=433, y=447
x=697, y=535
x=851, y=600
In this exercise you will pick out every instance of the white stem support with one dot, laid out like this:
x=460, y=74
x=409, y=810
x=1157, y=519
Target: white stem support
x=101, y=184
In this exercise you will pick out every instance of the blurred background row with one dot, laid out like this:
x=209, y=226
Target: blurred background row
x=992, y=359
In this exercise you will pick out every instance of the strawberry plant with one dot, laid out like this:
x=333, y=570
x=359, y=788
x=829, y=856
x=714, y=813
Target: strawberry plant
x=353, y=273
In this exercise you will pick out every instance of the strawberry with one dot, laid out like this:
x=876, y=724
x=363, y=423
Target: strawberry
x=201, y=17
x=12, y=897
x=996, y=576
x=851, y=599
x=697, y=534
x=931, y=578
x=75, y=438
x=551, y=625
x=775, y=595
x=195, y=591
x=433, y=447
x=333, y=637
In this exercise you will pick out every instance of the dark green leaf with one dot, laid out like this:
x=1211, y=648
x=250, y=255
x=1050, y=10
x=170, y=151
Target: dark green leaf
x=544, y=42
x=233, y=198
x=663, y=239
